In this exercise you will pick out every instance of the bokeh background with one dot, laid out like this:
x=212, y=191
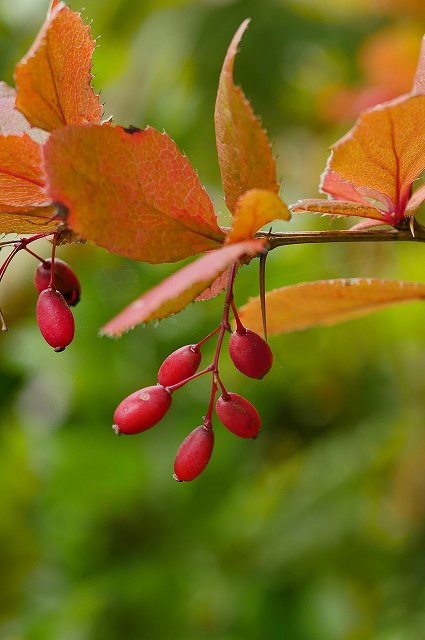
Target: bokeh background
x=316, y=531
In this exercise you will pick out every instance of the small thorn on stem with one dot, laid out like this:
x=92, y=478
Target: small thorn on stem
x=412, y=226
x=263, y=258
x=4, y=326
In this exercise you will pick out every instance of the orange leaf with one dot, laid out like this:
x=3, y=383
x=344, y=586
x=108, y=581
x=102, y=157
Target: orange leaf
x=54, y=79
x=21, y=176
x=326, y=302
x=24, y=205
x=380, y=157
x=337, y=208
x=419, y=81
x=254, y=209
x=35, y=221
x=244, y=152
x=131, y=191
x=177, y=291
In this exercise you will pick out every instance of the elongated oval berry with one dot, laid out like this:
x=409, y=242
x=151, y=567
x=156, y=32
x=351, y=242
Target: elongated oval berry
x=238, y=415
x=179, y=365
x=65, y=280
x=250, y=354
x=55, y=319
x=141, y=410
x=193, y=454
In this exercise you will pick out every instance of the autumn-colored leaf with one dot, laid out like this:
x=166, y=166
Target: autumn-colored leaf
x=177, y=291
x=24, y=205
x=215, y=288
x=131, y=191
x=244, y=152
x=54, y=79
x=21, y=176
x=326, y=302
x=419, y=81
x=379, y=159
x=254, y=209
x=338, y=208
x=35, y=221
x=385, y=150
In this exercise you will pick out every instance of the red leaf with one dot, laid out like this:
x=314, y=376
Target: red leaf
x=132, y=192
x=215, y=288
x=244, y=152
x=54, y=79
x=177, y=291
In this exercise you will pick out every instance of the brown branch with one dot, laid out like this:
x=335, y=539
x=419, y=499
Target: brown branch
x=401, y=234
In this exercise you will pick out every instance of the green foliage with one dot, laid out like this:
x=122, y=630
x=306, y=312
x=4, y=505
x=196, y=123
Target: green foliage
x=314, y=533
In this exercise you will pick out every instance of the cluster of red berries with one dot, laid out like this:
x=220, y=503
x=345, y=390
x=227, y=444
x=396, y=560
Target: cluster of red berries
x=146, y=407
x=58, y=288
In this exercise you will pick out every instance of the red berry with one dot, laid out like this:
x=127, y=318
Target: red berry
x=141, y=410
x=55, y=319
x=66, y=282
x=193, y=454
x=238, y=415
x=250, y=354
x=179, y=365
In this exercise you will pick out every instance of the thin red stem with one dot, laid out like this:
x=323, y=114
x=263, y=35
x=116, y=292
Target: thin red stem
x=199, y=344
x=239, y=326
x=224, y=326
x=222, y=387
x=36, y=256
x=8, y=260
x=178, y=385
x=52, y=271
x=208, y=417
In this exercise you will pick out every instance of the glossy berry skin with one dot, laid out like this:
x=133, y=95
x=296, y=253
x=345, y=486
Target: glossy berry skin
x=250, y=354
x=193, y=454
x=55, y=319
x=179, y=365
x=238, y=415
x=141, y=410
x=66, y=282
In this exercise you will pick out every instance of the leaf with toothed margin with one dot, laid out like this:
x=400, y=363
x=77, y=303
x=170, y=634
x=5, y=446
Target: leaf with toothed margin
x=131, y=192
x=244, y=151
x=54, y=78
x=177, y=291
x=419, y=81
x=374, y=165
x=326, y=302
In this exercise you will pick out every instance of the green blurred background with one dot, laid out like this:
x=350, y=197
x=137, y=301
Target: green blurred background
x=316, y=531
